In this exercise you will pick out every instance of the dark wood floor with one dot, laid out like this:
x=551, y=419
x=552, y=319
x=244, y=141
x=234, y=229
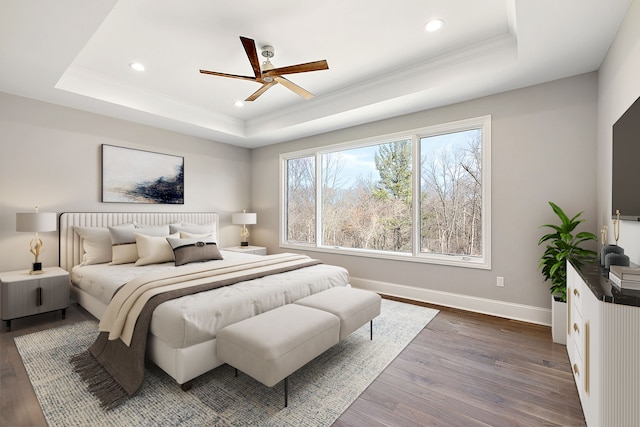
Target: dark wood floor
x=463, y=369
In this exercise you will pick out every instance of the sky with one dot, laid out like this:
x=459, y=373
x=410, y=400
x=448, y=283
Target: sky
x=359, y=162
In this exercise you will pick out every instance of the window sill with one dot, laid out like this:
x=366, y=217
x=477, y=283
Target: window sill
x=448, y=260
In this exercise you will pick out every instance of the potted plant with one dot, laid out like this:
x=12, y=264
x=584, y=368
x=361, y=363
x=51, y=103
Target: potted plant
x=562, y=246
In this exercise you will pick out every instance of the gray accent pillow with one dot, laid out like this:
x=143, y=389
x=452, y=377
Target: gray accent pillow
x=200, y=249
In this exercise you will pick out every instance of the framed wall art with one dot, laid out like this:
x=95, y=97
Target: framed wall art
x=138, y=176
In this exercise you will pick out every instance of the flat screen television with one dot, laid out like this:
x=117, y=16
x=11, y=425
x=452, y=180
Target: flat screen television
x=626, y=164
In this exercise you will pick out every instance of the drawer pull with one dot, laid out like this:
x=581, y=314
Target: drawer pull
x=39, y=297
x=575, y=369
x=576, y=328
x=576, y=292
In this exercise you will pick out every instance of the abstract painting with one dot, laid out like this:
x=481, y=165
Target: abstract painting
x=138, y=176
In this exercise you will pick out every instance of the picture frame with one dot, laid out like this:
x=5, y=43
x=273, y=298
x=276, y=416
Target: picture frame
x=138, y=176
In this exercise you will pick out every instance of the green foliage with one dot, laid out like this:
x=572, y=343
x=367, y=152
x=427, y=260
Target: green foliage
x=562, y=247
x=393, y=162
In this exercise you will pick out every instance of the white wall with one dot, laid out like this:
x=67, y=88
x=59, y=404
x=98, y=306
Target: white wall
x=543, y=149
x=50, y=157
x=618, y=88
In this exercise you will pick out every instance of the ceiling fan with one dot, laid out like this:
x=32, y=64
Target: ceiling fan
x=267, y=75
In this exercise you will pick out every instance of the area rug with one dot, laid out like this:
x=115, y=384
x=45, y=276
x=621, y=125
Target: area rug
x=318, y=392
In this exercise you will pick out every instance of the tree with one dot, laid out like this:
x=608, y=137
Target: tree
x=451, y=199
x=393, y=162
x=301, y=200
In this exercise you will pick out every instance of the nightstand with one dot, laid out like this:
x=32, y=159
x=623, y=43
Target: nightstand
x=25, y=295
x=254, y=250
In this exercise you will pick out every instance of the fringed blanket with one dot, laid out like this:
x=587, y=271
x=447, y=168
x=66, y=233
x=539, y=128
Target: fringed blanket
x=113, y=367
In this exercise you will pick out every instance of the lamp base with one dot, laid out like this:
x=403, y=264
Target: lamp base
x=37, y=268
x=244, y=243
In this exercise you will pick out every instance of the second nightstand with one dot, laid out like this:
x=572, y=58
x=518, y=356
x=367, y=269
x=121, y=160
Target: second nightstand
x=254, y=250
x=25, y=295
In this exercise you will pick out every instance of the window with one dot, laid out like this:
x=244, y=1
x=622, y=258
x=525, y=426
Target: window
x=420, y=196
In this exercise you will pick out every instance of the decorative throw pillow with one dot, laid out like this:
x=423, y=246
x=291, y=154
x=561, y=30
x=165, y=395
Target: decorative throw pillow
x=123, y=241
x=186, y=251
x=154, y=249
x=185, y=235
x=194, y=228
x=96, y=244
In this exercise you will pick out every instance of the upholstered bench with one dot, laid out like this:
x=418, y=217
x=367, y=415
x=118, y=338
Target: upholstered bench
x=354, y=307
x=271, y=346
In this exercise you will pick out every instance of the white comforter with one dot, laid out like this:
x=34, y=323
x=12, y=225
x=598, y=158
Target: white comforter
x=196, y=318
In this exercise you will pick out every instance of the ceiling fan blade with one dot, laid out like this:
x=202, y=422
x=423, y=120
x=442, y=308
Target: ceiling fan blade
x=233, y=76
x=300, y=68
x=294, y=87
x=250, y=48
x=260, y=91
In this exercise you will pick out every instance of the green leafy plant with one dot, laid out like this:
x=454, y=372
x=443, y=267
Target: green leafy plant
x=562, y=247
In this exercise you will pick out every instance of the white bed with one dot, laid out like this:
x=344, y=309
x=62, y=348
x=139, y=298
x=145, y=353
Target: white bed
x=182, y=333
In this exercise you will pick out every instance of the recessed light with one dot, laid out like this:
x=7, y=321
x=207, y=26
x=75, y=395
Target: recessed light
x=434, y=25
x=137, y=66
x=239, y=104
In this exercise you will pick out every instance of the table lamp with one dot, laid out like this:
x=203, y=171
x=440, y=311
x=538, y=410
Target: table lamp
x=245, y=219
x=36, y=222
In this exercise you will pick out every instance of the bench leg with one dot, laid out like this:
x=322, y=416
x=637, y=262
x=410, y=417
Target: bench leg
x=371, y=328
x=286, y=392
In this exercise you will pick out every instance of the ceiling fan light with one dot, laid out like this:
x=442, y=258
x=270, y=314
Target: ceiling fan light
x=434, y=25
x=136, y=66
x=239, y=104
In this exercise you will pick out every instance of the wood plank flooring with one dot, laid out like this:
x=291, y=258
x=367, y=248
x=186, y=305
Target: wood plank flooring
x=463, y=369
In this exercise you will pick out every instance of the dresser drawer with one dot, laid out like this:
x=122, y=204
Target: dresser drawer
x=578, y=368
x=576, y=296
x=578, y=333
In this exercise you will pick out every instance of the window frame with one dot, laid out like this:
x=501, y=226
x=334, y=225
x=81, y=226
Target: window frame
x=414, y=135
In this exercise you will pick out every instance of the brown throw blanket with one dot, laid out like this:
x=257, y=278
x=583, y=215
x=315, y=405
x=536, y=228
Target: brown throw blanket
x=114, y=371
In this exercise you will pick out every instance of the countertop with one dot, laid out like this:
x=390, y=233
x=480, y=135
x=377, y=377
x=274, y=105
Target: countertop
x=596, y=277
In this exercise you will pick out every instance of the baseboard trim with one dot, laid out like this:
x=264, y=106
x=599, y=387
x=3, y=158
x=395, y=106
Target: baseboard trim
x=521, y=312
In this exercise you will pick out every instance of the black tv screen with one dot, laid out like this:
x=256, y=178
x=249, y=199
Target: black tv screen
x=626, y=164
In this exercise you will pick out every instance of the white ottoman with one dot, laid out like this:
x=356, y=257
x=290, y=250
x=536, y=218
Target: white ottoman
x=271, y=346
x=354, y=307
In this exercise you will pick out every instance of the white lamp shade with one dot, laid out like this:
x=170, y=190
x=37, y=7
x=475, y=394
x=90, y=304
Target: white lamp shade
x=244, y=218
x=36, y=221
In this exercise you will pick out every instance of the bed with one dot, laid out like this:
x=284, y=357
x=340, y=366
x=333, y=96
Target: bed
x=181, y=338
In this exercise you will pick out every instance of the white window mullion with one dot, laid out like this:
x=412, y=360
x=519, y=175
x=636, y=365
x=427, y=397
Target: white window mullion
x=416, y=196
x=318, y=199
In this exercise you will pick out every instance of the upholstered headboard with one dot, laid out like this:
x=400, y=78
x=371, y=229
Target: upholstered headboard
x=71, y=248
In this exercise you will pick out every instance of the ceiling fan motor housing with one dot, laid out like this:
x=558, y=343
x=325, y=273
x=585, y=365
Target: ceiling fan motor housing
x=267, y=51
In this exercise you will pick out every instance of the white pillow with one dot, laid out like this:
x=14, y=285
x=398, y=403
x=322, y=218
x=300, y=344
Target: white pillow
x=123, y=241
x=154, y=249
x=96, y=244
x=205, y=229
x=185, y=235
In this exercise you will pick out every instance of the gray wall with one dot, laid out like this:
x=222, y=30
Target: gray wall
x=543, y=149
x=618, y=88
x=550, y=142
x=50, y=157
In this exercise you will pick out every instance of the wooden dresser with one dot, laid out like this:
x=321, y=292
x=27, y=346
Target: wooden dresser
x=603, y=343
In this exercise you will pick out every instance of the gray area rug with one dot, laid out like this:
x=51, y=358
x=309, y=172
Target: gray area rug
x=318, y=392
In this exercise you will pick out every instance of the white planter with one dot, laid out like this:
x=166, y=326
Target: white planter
x=559, y=321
